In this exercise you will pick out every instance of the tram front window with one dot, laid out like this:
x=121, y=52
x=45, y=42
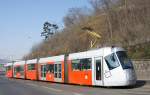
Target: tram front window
x=124, y=60
x=112, y=61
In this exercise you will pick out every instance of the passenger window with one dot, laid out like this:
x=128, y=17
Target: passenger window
x=15, y=69
x=31, y=66
x=43, y=70
x=21, y=70
x=86, y=63
x=18, y=69
x=50, y=68
x=8, y=68
x=57, y=68
x=59, y=71
x=81, y=64
x=76, y=65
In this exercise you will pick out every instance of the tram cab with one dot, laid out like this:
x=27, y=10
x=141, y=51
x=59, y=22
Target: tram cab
x=117, y=68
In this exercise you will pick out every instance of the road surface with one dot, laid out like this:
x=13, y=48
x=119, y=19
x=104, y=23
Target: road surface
x=27, y=87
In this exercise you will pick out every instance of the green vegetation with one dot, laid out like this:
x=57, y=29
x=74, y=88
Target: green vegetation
x=123, y=23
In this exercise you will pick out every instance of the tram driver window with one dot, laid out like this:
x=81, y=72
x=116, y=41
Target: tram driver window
x=111, y=61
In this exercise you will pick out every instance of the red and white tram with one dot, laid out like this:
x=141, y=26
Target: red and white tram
x=108, y=66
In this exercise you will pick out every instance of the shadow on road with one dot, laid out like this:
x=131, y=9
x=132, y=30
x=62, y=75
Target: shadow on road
x=139, y=84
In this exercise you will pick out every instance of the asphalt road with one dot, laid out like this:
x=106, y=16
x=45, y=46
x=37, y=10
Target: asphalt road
x=27, y=87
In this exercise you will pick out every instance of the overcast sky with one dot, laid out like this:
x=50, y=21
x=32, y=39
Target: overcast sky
x=21, y=22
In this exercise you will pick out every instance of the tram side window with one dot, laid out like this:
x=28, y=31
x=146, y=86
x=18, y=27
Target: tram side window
x=86, y=63
x=50, y=68
x=31, y=66
x=81, y=64
x=8, y=68
x=76, y=65
x=59, y=71
x=17, y=69
x=21, y=70
x=111, y=61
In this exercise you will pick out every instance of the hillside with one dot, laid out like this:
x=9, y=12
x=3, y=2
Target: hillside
x=139, y=51
x=124, y=23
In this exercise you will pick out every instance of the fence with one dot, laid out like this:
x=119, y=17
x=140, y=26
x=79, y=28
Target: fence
x=142, y=68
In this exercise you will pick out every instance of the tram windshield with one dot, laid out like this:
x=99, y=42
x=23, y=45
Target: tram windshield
x=124, y=60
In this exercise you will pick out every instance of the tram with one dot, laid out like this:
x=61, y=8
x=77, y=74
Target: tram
x=107, y=66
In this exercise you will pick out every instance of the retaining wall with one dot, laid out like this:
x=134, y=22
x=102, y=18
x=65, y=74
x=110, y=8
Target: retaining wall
x=142, y=68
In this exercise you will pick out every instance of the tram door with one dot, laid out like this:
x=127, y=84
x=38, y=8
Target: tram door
x=57, y=72
x=98, y=70
x=43, y=72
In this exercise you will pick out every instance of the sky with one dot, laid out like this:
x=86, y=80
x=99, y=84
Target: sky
x=21, y=23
